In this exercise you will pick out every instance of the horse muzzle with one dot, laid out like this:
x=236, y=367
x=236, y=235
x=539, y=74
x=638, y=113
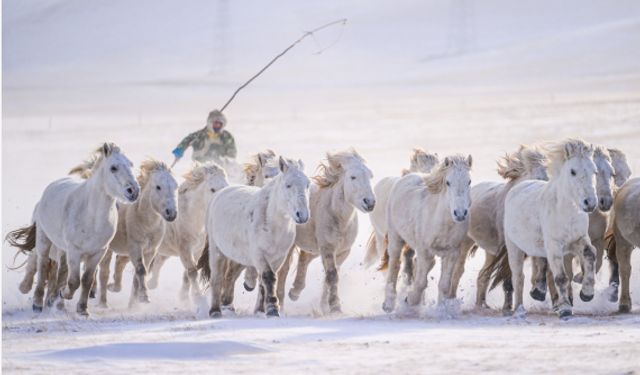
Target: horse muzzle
x=605, y=203
x=132, y=193
x=588, y=205
x=170, y=215
x=460, y=215
x=368, y=204
x=301, y=217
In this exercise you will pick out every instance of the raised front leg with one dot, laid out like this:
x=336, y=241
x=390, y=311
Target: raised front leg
x=105, y=264
x=538, y=278
x=250, y=279
x=156, y=266
x=304, y=258
x=587, y=255
x=394, y=248
x=121, y=263
x=88, y=277
x=424, y=265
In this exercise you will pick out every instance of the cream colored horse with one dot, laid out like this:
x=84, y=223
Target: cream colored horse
x=550, y=220
x=141, y=227
x=79, y=217
x=342, y=186
x=421, y=162
x=487, y=215
x=255, y=227
x=429, y=214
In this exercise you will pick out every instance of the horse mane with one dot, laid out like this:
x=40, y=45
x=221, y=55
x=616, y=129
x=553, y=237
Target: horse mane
x=559, y=153
x=435, y=180
x=197, y=174
x=517, y=164
x=254, y=164
x=329, y=172
x=147, y=167
x=531, y=157
x=419, y=159
x=86, y=168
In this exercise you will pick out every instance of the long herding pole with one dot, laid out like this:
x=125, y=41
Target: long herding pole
x=342, y=21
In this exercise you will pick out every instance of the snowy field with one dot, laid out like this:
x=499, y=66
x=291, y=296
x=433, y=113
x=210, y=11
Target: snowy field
x=145, y=73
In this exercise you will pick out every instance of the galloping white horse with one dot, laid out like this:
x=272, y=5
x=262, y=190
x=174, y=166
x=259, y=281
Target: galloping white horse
x=421, y=162
x=79, y=217
x=342, y=185
x=185, y=237
x=486, y=216
x=255, y=227
x=141, y=227
x=428, y=212
x=550, y=220
x=626, y=236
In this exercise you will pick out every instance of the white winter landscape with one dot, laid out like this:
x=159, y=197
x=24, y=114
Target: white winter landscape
x=475, y=77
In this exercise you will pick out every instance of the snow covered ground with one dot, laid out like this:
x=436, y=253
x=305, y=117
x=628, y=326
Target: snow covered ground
x=145, y=73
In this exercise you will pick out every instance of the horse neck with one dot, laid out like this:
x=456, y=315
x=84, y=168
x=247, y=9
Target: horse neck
x=143, y=207
x=339, y=204
x=258, y=179
x=193, y=206
x=98, y=200
x=560, y=199
x=268, y=195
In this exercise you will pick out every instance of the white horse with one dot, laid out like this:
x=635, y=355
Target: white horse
x=626, y=236
x=341, y=186
x=486, y=216
x=79, y=217
x=255, y=227
x=141, y=227
x=185, y=237
x=428, y=212
x=421, y=162
x=550, y=220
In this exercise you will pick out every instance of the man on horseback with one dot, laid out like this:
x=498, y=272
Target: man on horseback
x=212, y=143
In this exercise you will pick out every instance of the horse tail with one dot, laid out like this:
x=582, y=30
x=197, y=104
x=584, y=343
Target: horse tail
x=472, y=250
x=499, y=269
x=384, y=261
x=203, y=264
x=372, y=252
x=24, y=239
x=610, y=246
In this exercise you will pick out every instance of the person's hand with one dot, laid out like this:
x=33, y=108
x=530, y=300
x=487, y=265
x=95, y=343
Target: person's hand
x=178, y=152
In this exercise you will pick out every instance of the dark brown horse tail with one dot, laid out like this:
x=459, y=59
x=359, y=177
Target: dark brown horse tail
x=24, y=239
x=610, y=246
x=499, y=269
x=203, y=264
x=384, y=261
x=472, y=251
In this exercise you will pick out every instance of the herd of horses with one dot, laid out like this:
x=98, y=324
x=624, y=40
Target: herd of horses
x=562, y=204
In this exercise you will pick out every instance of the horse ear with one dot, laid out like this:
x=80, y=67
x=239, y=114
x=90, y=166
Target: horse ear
x=447, y=162
x=106, y=149
x=301, y=164
x=469, y=161
x=283, y=164
x=261, y=160
x=567, y=151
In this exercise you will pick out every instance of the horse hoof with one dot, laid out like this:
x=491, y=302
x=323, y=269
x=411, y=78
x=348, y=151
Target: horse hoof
x=36, y=308
x=624, y=309
x=613, y=296
x=247, y=287
x=577, y=278
x=335, y=310
x=144, y=299
x=92, y=294
x=215, y=314
x=83, y=313
x=293, y=295
x=387, y=307
x=272, y=313
x=537, y=294
x=114, y=288
x=562, y=314
x=585, y=297
x=228, y=308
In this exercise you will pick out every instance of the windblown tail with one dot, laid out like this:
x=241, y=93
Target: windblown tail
x=203, y=264
x=499, y=270
x=384, y=261
x=372, y=251
x=610, y=246
x=23, y=238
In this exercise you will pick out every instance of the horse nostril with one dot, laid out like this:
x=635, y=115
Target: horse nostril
x=586, y=202
x=168, y=212
x=455, y=213
x=298, y=214
x=129, y=190
x=465, y=212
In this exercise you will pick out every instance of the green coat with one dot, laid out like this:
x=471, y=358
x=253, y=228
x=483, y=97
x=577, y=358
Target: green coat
x=206, y=149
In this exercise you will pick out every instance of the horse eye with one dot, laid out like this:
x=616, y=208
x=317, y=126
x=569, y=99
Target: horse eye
x=213, y=190
x=288, y=186
x=573, y=172
x=157, y=187
x=353, y=177
x=114, y=169
x=448, y=184
x=469, y=183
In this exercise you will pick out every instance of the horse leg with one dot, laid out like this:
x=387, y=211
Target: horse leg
x=189, y=277
x=42, y=248
x=281, y=276
x=304, y=258
x=538, y=278
x=231, y=274
x=121, y=263
x=614, y=279
x=270, y=297
x=447, y=266
x=32, y=268
x=156, y=266
x=328, y=254
x=88, y=277
x=424, y=263
x=587, y=256
x=483, y=280
x=103, y=276
x=408, y=255
x=623, y=256
x=51, y=282
x=395, y=244
x=63, y=274
x=516, y=261
x=556, y=264
x=458, y=270
x=217, y=267
x=250, y=278
x=140, y=287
